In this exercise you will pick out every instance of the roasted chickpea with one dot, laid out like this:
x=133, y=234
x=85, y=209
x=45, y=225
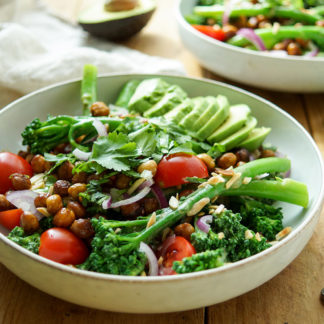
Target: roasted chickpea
x=122, y=181
x=62, y=148
x=64, y=172
x=29, y=222
x=20, y=181
x=29, y=157
x=61, y=187
x=211, y=21
x=267, y=153
x=131, y=210
x=302, y=42
x=294, y=49
x=76, y=189
x=54, y=204
x=230, y=31
x=150, y=205
x=253, y=22
x=93, y=177
x=64, y=218
x=40, y=201
x=242, y=155
x=80, y=177
x=281, y=46
x=4, y=203
x=99, y=109
x=185, y=230
x=39, y=164
x=208, y=160
x=82, y=228
x=226, y=160
x=149, y=166
x=265, y=24
x=77, y=208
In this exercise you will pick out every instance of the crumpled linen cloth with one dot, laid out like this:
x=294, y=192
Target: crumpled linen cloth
x=41, y=50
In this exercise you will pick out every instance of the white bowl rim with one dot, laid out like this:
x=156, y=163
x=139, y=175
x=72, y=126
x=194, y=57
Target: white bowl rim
x=206, y=273
x=240, y=50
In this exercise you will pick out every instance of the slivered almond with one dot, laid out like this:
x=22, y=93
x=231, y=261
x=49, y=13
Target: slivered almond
x=231, y=181
x=43, y=211
x=246, y=180
x=173, y=203
x=117, y=230
x=201, y=214
x=220, y=209
x=160, y=261
x=283, y=233
x=248, y=235
x=227, y=172
x=216, y=179
x=152, y=220
x=198, y=206
x=258, y=237
x=221, y=235
x=143, y=274
x=37, y=177
x=135, y=185
x=202, y=185
x=51, y=190
x=214, y=199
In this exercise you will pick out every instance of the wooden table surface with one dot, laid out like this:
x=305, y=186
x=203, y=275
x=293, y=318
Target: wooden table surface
x=291, y=297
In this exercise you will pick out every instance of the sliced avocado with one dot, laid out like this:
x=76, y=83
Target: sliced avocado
x=255, y=138
x=173, y=97
x=219, y=117
x=199, y=105
x=237, y=118
x=236, y=138
x=126, y=93
x=116, y=25
x=180, y=111
x=147, y=94
x=210, y=111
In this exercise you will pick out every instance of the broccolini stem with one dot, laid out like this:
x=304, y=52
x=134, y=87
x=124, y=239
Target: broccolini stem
x=88, y=88
x=270, y=37
x=286, y=190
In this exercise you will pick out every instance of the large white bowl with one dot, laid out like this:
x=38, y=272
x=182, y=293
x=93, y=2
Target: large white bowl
x=293, y=74
x=179, y=292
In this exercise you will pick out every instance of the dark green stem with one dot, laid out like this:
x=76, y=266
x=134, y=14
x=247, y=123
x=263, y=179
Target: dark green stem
x=88, y=88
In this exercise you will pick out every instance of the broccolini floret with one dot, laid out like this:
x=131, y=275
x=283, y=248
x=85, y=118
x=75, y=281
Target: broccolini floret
x=201, y=261
x=29, y=242
x=262, y=218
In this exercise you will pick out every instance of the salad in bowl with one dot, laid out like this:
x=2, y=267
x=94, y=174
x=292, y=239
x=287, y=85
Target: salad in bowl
x=156, y=184
x=279, y=28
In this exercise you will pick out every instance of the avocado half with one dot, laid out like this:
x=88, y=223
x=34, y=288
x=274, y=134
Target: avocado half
x=116, y=25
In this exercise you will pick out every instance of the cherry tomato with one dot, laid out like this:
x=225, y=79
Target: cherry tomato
x=61, y=245
x=174, y=248
x=10, y=218
x=210, y=31
x=173, y=169
x=11, y=163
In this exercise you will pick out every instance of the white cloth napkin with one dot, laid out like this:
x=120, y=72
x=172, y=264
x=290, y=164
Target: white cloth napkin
x=41, y=50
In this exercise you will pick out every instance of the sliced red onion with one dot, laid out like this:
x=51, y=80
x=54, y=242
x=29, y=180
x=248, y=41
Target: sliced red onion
x=203, y=223
x=312, y=53
x=146, y=183
x=24, y=199
x=250, y=35
x=132, y=199
x=151, y=258
x=227, y=12
x=81, y=155
x=100, y=127
x=158, y=193
x=287, y=174
x=106, y=204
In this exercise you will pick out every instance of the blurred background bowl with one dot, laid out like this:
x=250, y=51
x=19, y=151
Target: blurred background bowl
x=291, y=74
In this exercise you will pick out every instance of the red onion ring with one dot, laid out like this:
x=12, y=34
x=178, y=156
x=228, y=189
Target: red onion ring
x=146, y=183
x=132, y=199
x=250, y=35
x=81, y=155
x=227, y=12
x=203, y=223
x=106, y=204
x=24, y=199
x=151, y=258
x=158, y=193
x=312, y=53
x=100, y=127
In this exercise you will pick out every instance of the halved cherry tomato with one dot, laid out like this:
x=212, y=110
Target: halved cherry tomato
x=10, y=218
x=61, y=245
x=174, y=248
x=210, y=31
x=173, y=169
x=11, y=163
